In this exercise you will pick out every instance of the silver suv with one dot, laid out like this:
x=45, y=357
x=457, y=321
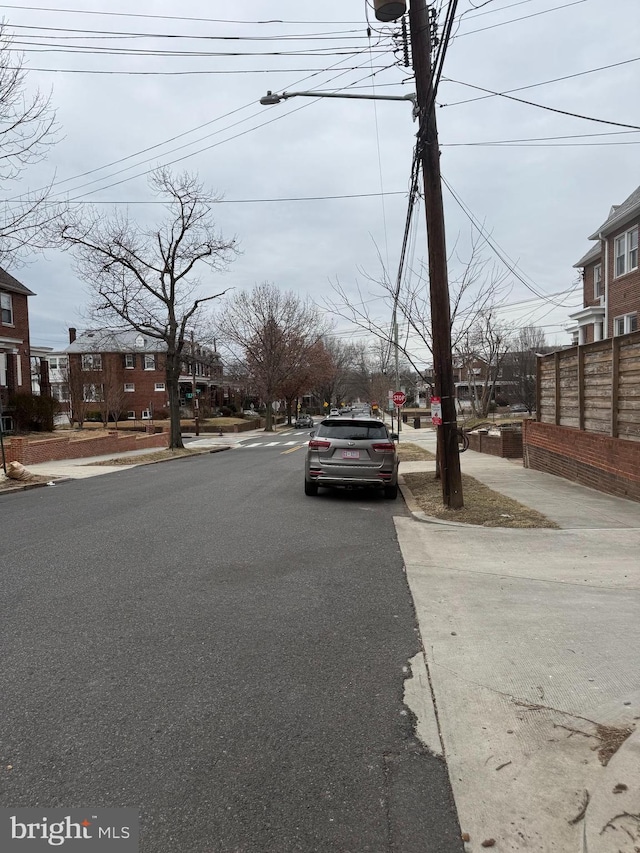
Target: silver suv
x=351, y=453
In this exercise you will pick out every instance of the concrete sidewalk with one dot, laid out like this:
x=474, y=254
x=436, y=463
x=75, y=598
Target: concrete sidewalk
x=531, y=642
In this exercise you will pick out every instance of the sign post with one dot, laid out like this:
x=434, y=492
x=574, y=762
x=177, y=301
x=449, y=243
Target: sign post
x=399, y=398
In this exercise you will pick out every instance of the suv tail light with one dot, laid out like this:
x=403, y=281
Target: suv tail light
x=384, y=447
x=319, y=445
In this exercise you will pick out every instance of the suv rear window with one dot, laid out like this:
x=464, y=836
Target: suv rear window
x=351, y=429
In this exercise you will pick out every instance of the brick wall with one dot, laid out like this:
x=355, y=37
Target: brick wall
x=624, y=291
x=608, y=464
x=507, y=445
x=67, y=447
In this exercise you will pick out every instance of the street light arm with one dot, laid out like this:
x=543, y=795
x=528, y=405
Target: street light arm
x=275, y=98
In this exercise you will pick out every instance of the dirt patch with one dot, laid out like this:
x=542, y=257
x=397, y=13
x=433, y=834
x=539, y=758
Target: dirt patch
x=156, y=456
x=8, y=485
x=611, y=739
x=482, y=505
x=408, y=452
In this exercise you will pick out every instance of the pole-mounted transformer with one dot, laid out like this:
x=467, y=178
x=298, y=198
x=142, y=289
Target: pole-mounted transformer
x=389, y=10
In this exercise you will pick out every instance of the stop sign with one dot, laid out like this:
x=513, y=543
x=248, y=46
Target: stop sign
x=399, y=398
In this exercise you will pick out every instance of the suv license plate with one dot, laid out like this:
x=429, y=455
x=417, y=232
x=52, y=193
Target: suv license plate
x=351, y=454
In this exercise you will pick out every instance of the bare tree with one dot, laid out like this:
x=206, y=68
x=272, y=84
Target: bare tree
x=27, y=129
x=476, y=286
x=481, y=351
x=113, y=397
x=520, y=365
x=275, y=332
x=144, y=279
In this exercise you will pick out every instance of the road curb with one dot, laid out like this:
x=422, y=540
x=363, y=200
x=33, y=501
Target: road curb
x=23, y=487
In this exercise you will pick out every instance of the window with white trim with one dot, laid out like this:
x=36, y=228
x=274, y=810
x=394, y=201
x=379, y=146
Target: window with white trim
x=129, y=386
x=3, y=369
x=57, y=362
x=597, y=281
x=626, y=252
x=131, y=416
x=60, y=393
x=146, y=415
x=149, y=362
x=160, y=386
x=6, y=309
x=91, y=361
x=625, y=324
x=129, y=360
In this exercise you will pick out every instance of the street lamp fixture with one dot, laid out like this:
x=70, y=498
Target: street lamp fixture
x=275, y=98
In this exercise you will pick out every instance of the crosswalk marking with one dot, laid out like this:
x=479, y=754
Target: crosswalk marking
x=272, y=444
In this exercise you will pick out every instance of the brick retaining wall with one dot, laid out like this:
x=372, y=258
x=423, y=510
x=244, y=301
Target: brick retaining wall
x=30, y=452
x=608, y=464
x=507, y=445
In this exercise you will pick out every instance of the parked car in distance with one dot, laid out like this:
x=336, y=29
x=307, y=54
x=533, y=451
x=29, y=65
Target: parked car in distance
x=334, y=413
x=303, y=421
x=518, y=407
x=356, y=452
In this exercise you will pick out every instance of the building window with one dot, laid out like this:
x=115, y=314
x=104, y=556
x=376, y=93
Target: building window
x=597, y=281
x=92, y=393
x=60, y=393
x=626, y=252
x=149, y=362
x=6, y=309
x=129, y=386
x=625, y=324
x=129, y=361
x=3, y=369
x=57, y=363
x=160, y=386
x=146, y=415
x=131, y=416
x=91, y=361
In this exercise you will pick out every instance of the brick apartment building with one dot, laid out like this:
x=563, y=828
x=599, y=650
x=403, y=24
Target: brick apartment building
x=15, y=351
x=124, y=371
x=611, y=278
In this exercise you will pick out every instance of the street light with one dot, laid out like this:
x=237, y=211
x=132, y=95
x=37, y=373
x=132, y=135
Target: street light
x=275, y=98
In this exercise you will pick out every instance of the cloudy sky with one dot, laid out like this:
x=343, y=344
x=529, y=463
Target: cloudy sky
x=316, y=189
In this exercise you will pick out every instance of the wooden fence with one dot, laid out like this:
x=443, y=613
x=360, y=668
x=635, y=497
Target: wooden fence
x=594, y=387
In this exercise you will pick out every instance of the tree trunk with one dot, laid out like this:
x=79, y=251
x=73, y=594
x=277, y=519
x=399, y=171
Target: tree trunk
x=173, y=372
x=269, y=418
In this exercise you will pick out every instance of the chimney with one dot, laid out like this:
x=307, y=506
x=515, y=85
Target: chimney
x=72, y=335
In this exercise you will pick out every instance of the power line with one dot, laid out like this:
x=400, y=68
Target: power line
x=510, y=265
x=535, y=85
x=199, y=127
x=523, y=18
x=186, y=73
x=541, y=138
x=334, y=35
x=544, y=107
x=169, y=17
x=193, y=153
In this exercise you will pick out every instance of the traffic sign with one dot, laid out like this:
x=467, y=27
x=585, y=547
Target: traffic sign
x=399, y=398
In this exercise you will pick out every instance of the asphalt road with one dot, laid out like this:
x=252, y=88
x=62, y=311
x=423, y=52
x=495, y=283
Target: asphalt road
x=201, y=641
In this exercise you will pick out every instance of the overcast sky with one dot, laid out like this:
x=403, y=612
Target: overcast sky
x=538, y=199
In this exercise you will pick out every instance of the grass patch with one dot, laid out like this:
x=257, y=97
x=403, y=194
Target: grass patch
x=482, y=505
x=408, y=452
x=156, y=456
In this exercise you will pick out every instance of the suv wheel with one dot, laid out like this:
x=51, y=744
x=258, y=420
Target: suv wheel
x=391, y=492
x=310, y=489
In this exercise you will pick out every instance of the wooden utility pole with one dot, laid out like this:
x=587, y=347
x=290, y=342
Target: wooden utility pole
x=448, y=453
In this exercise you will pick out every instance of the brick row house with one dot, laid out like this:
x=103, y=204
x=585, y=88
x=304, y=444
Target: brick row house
x=15, y=350
x=109, y=373
x=611, y=277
